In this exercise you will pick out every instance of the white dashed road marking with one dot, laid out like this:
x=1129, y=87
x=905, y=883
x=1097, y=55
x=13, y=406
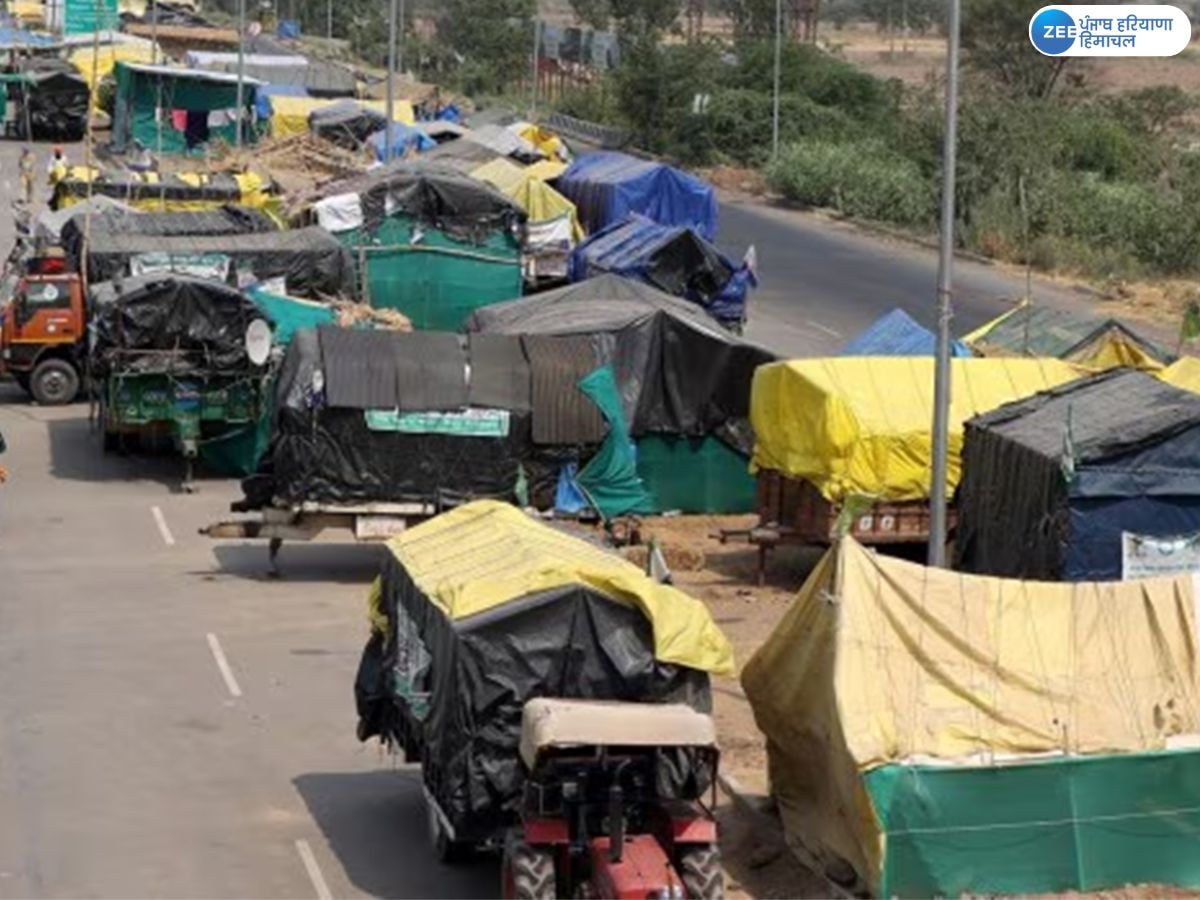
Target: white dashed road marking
x=314, y=871
x=161, y=521
x=223, y=664
x=820, y=327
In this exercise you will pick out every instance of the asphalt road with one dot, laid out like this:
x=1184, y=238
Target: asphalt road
x=174, y=724
x=821, y=281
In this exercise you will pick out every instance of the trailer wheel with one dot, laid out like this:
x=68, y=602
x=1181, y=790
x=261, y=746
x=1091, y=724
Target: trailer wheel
x=54, y=382
x=527, y=873
x=701, y=873
x=446, y=849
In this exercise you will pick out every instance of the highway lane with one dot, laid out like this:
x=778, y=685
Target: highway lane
x=823, y=281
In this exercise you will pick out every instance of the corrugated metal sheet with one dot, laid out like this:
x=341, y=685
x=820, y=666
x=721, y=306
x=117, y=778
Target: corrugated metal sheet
x=500, y=374
x=389, y=370
x=561, y=412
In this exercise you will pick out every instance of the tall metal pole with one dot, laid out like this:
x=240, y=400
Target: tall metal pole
x=945, y=286
x=391, y=82
x=400, y=42
x=241, y=72
x=329, y=20
x=537, y=53
x=778, y=58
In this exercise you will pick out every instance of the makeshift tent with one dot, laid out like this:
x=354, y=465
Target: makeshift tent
x=1051, y=482
x=393, y=418
x=931, y=733
x=175, y=192
x=609, y=186
x=289, y=115
x=224, y=221
x=898, y=334
x=98, y=64
x=317, y=77
x=310, y=262
x=469, y=620
x=49, y=99
x=429, y=241
x=1099, y=343
x=542, y=139
x=683, y=380
x=504, y=143
x=406, y=139
x=546, y=170
x=49, y=224
x=202, y=107
x=402, y=110
x=672, y=258
x=463, y=156
x=1183, y=373
x=861, y=425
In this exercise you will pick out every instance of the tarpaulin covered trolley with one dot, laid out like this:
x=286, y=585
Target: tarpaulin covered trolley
x=169, y=192
x=428, y=240
x=171, y=356
x=934, y=734
x=482, y=609
x=606, y=187
x=1051, y=482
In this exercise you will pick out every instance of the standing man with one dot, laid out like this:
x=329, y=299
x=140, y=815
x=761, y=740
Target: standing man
x=27, y=165
x=56, y=169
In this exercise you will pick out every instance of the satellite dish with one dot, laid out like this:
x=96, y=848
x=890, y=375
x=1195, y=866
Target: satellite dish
x=258, y=341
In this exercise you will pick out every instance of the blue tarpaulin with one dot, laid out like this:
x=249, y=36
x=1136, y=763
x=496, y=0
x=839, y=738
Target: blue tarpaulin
x=673, y=259
x=19, y=37
x=898, y=334
x=404, y=137
x=289, y=29
x=606, y=187
x=267, y=91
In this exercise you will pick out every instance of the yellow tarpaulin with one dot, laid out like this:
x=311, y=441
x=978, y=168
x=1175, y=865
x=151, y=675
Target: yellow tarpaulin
x=542, y=202
x=542, y=138
x=546, y=169
x=31, y=11
x=862, y=425
x=253, y=192
x=289, y=115
x=401, y=112
x=101, y=62
x=880, y=660
x=487, y=553
x=1183, y=373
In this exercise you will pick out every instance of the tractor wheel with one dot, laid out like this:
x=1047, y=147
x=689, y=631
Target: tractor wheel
x=527, y=873
x=446, y=849
x=54, y=382
x=700, y=870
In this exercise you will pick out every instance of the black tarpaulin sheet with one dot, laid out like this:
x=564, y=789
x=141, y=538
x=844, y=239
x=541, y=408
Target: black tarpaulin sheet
x=424, y=370
x=562, y=414
x=132, y=186
x=347, y=124
x=310, y=260
x=500, y=376
x=204, y=321
x=1031, y=469
x=678, y=371
x=57, y=101
x=475, y=674
x=224, y=221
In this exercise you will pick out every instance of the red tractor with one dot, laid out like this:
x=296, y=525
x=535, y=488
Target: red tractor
x=607, y=811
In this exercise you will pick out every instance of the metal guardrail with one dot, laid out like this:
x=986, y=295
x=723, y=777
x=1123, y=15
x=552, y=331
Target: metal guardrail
x=605, y=137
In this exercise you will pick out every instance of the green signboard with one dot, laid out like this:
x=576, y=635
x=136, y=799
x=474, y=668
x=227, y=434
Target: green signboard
x=86, y=16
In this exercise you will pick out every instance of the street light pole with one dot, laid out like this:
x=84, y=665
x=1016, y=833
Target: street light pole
x=389, y=135
x=241, y=72
x=537, y=52
x=942, y=379
x=778, y=55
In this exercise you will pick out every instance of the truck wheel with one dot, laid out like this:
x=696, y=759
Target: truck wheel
x=54, y=382
x=445, y=848
x=527, y=873
x=700, y=871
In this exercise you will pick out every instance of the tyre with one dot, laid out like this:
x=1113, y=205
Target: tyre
x=22, y=381
x=446, y=849
x=54, y=382
x=527, y=873
x=700, y=871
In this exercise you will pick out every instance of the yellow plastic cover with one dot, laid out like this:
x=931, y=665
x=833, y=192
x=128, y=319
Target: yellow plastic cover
x=253, y=192
x=101, y=62
x=863, y=425
x=883, y=661
x=402, y=111
x=546, y=169
x=542, y=138
x=485, y=554
x=542, y=202
x=1183, y=373
x=289, y=115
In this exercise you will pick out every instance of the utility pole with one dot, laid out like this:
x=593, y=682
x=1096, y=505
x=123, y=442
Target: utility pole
x=942, y=379
x=400, y=46
x=329, y=20
x=778, y=62
x=241, y=72
x=537, y=56
x=389, y=135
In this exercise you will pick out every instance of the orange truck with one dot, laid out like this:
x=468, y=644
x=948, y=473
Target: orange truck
x=43, y=333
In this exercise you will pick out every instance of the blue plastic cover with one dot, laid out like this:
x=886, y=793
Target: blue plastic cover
x=1093, y=547
x=673, y=259
x=289, y=29
x=403, y=138
x=898, y=334
x=607, y=186
x=19, y=37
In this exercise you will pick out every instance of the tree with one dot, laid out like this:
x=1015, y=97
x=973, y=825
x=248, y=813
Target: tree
x=633, y=19
x=995, y=41
x=492, y=38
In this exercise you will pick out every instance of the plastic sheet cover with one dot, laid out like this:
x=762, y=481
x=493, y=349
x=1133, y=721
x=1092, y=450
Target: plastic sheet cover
x=898, y=334
x=607, y=186
x=861, y=425
x=883, y=663
x=204, y=320
x=674, y=259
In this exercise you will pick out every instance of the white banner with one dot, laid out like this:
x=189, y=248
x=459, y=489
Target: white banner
x=1143, y=556
x=198, y=265
x=1110, y=30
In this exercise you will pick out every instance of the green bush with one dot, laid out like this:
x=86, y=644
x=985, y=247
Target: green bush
x=739, y=123
x=859, y=178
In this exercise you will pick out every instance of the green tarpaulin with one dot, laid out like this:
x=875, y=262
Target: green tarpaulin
x=1074, y=824
x=695, y=475
x=610, y=479
x=289, y=315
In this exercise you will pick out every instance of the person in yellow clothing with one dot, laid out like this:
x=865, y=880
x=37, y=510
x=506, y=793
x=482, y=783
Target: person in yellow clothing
x=57, y=167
